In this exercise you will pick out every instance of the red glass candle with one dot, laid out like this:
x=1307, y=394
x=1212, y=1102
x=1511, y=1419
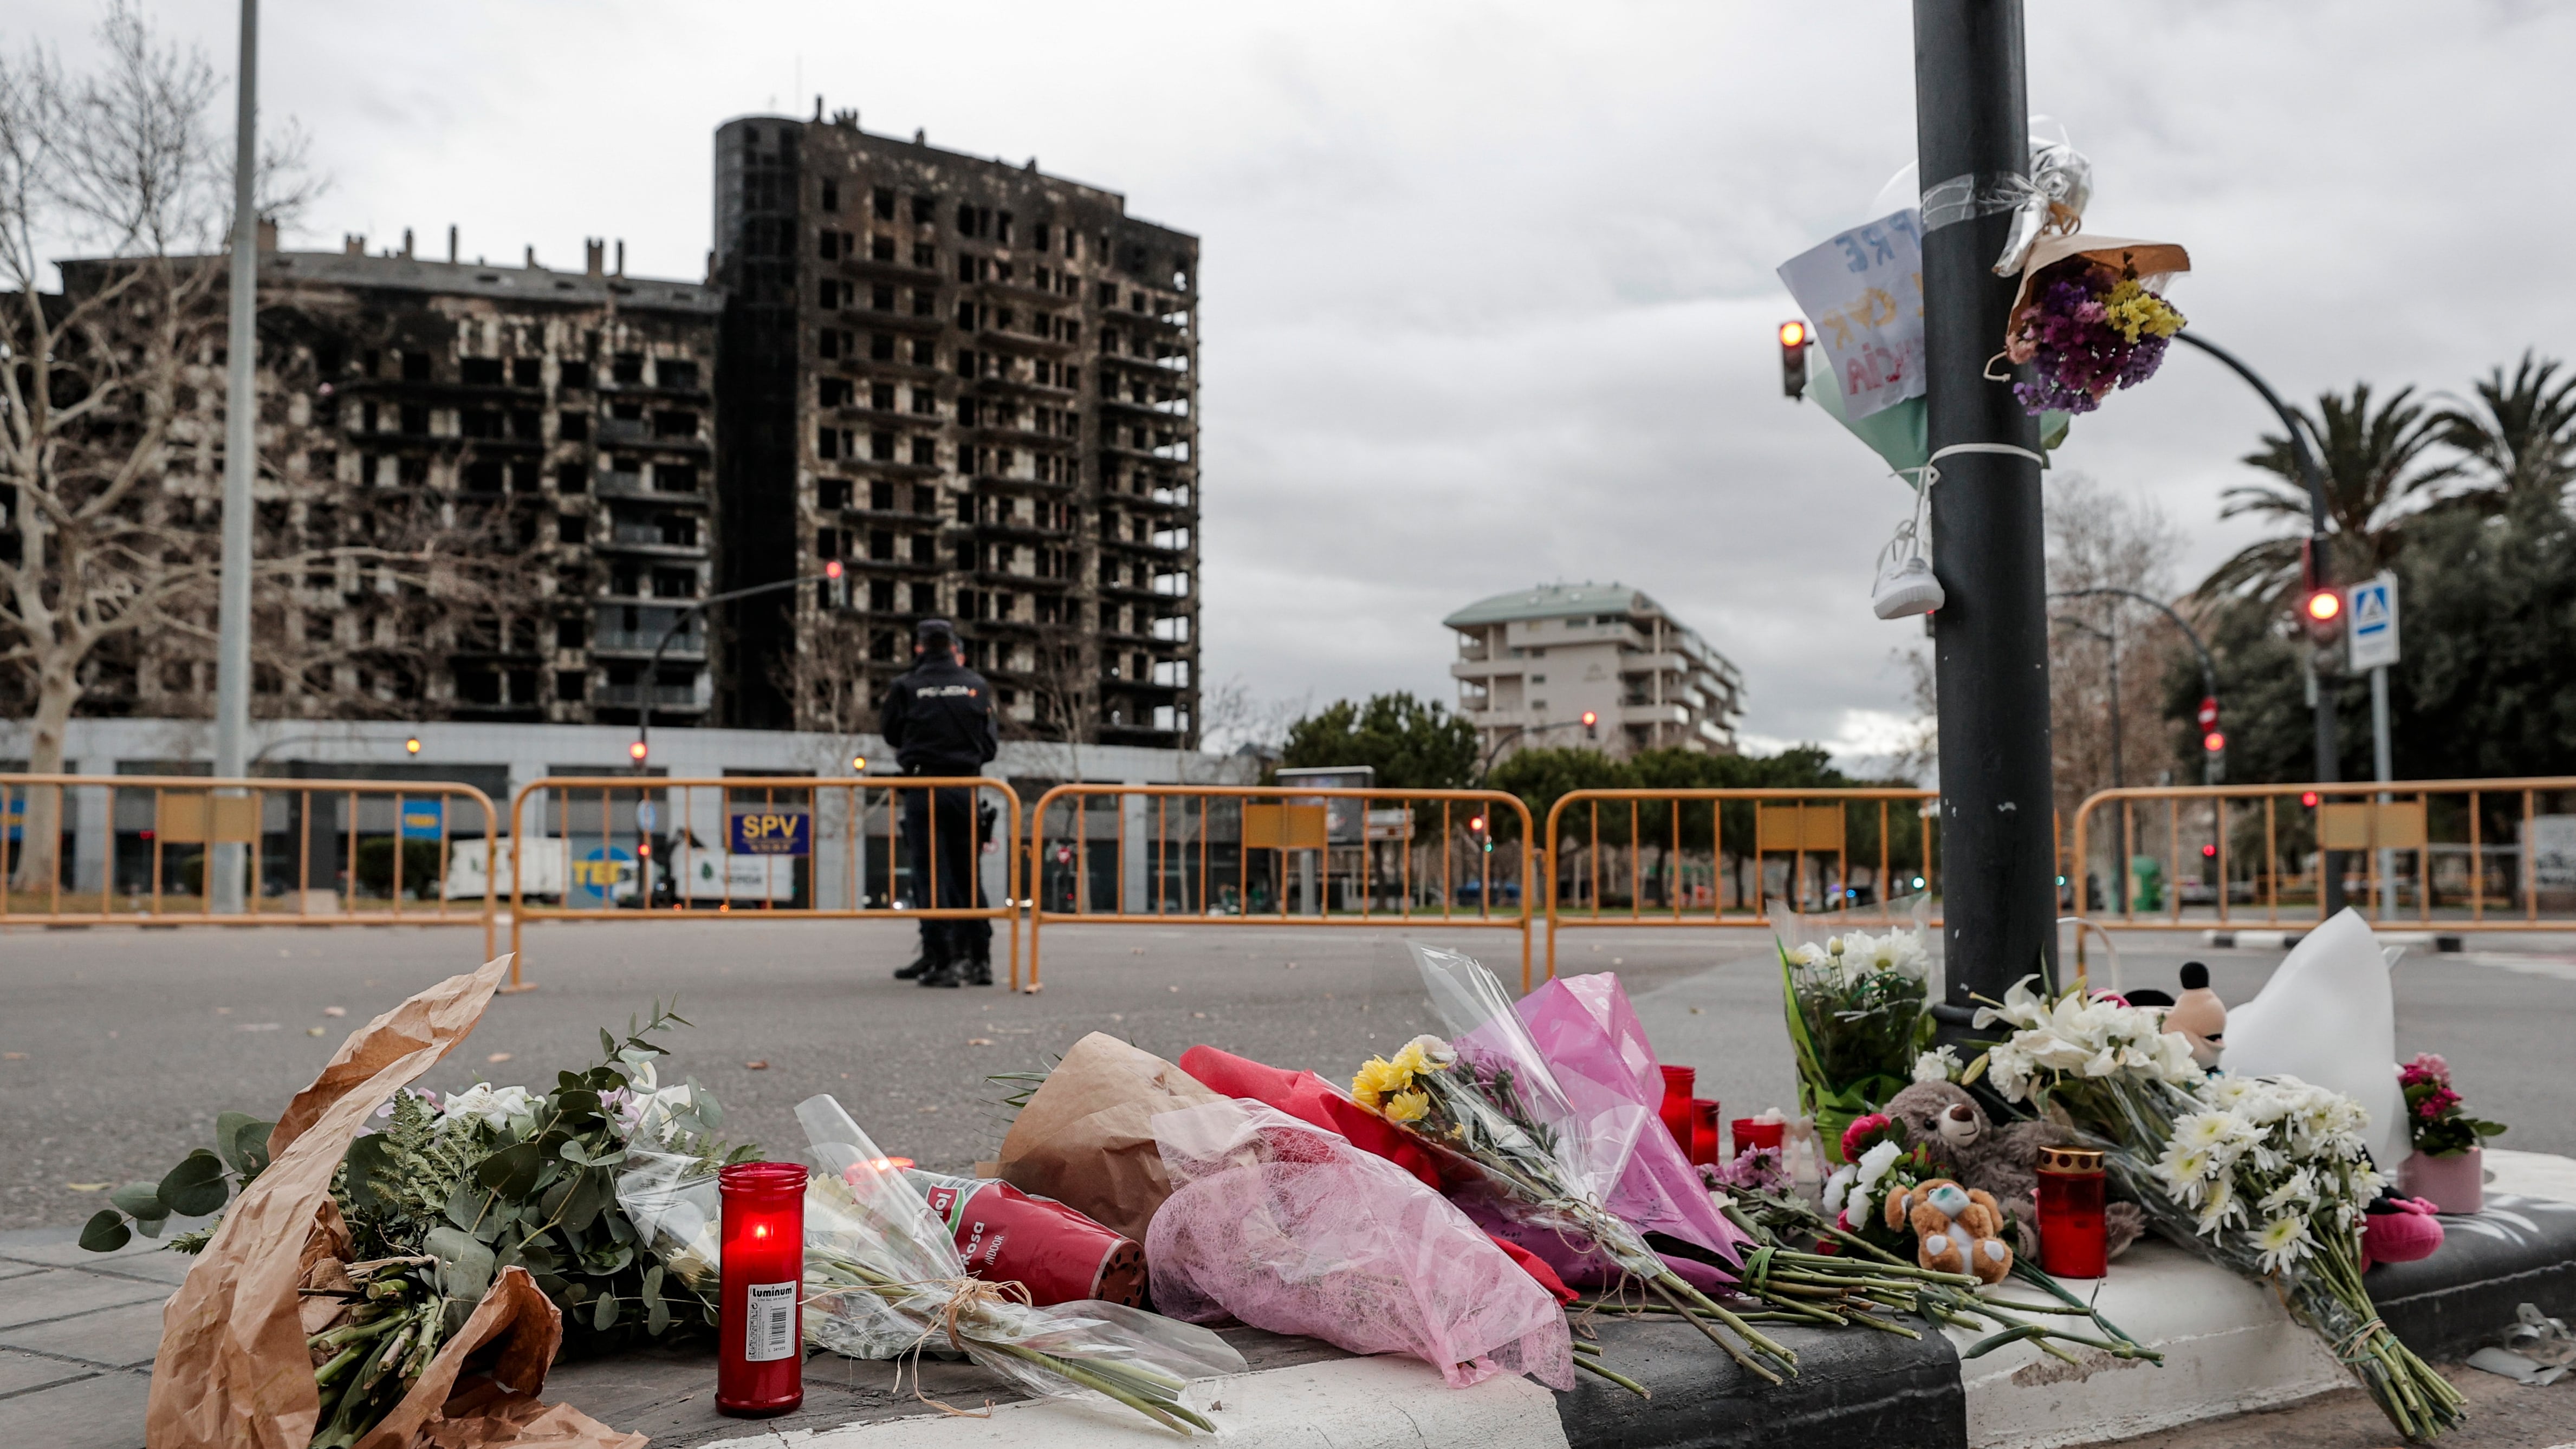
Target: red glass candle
x=1676, y=1107
x=1750, y=1133
x=2071, y=1241
x=1703, y=1143
x=760, y=1330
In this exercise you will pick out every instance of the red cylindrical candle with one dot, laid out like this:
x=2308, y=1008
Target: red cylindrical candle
x=1703, y=1143
x=1676, y=1109
x=760, y=1329
x=1751, y=1133
x=2071, y=1239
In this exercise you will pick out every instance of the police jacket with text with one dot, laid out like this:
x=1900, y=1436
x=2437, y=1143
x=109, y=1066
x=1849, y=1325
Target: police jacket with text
x=939, y=718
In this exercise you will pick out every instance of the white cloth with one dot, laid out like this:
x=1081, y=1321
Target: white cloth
x=2329, y=1017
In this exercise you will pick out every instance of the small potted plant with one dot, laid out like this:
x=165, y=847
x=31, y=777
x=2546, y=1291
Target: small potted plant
x=2447, y=1169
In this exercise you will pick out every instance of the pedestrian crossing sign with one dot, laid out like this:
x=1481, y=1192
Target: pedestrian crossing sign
x=2371, y=630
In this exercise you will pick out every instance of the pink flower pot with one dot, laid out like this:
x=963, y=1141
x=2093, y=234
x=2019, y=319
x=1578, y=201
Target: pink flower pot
x=2455, y=1184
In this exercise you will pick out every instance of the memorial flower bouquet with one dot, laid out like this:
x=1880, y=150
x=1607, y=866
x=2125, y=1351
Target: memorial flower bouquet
x=1859, y=1016
x=2434, y=1121
x=2267, y=1177
x=2086, y=328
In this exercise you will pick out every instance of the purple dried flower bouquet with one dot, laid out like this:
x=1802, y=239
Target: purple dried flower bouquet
x=2087, y=328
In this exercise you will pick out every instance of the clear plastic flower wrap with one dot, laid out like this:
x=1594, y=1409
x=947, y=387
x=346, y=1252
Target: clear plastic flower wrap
x=1859, y=1011
x=883, y=1279
x=1290, y=1228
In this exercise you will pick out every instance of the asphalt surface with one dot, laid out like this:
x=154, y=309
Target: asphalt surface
x=118, y=1047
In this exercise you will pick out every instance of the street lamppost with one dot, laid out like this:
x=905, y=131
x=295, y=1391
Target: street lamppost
x=2213, y=762
x=642, y=749
x=1485, y=767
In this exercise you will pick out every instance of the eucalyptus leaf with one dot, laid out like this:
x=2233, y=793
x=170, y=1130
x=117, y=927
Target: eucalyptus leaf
x=590, y=1194
x=196, y=1186
x=607, y=1043
x=657, y=1316
x=140, y=1201
x=464, y=1206
x=704, y=1103
x=106, y=1231
x=606, y=1318
x=228, y=1127
x=150, y=1227
x=512, y=1171
x=465, y=1266
x=369, y=1165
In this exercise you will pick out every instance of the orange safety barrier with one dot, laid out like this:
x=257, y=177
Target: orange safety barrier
x=2488, y=855
x=315, y=852
x=1694, y=834
x=756, y=846
x=1231, y=854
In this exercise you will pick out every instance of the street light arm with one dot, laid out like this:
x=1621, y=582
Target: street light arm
x=2208, y=667
x=695, y=608
x=2310, y=475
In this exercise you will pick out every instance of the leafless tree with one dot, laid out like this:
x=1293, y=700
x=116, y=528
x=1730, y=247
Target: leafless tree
x=2102, y=539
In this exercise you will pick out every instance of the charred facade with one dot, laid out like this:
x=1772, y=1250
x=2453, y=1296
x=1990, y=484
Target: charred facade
x=974, y=386
x=550, y=432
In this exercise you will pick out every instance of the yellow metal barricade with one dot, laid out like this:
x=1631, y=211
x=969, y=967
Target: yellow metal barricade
x=1254, y=855
x=79, y=850
x=2486, y=855
x=1650, y=857
x=652, y=847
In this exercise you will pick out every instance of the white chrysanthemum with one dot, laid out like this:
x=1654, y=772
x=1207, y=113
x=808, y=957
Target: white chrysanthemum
x=2220, y=1208
x=1809, y=954
x=1873, y=1167
x=2298, y=1190
x=1941, y=1065
x=2204, y=1131
x=2282, y=1241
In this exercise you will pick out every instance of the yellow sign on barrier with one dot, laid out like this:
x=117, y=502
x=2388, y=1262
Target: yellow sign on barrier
x=181, y=819
x=1284, y=827
x=2365, y=825
x=1802, y=827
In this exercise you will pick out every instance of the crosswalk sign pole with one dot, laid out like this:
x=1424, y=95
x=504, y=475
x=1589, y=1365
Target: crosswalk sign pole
x=2372, y=639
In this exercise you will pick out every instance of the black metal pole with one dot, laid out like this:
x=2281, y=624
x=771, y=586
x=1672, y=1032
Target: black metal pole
x=1990, y=640
x=2313, y=476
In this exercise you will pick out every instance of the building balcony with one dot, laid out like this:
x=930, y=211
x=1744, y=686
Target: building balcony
x=649, y=542
x=685, y=645
x=633, y=486
x=678, y=698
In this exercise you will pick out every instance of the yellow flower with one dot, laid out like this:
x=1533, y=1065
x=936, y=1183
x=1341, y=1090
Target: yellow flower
x=1412, y=1061
x=2133, y=309
x=1408, y=1106
x=1375, y=1078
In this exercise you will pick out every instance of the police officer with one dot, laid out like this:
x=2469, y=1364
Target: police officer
x=939, y=719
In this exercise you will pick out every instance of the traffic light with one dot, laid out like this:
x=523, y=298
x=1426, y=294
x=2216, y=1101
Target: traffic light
x=412, y=746
x=858, y=764
x=636, y=752
x=2320, y=603
x=832, y=570
x=2210, y=738
x=2209, y=852
x=1476, y=828
x=1793, y=359
x=1591, y=725
x=2308, y=798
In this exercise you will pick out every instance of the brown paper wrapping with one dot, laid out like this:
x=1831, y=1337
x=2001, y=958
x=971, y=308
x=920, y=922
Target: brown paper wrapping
x=1086, y=1138
x=233, y=1371
x=2151, y=258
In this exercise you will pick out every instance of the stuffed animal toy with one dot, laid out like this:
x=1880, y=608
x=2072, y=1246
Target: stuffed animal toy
x=2200, y=1016
x=2000, y=1161
x=1956, y=1229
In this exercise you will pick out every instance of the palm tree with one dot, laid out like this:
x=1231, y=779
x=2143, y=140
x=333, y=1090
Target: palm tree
x=2520, y=436
x=2376, y=472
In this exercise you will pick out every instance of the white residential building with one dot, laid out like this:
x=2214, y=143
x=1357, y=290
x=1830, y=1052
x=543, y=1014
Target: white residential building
x=1533, y=662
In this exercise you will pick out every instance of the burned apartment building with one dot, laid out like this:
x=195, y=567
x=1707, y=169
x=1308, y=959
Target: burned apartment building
x=974, y=385
x=549, y=432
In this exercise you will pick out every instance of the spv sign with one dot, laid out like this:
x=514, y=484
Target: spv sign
x=771, y=831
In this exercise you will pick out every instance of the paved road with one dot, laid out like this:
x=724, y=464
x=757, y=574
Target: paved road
x=118, y=1047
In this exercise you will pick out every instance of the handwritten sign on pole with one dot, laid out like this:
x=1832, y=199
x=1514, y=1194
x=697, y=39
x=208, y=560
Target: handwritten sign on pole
x=1863, y=290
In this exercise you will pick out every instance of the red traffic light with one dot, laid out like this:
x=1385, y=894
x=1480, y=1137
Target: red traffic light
x=2213, y=742
x=1793, y=359
x=636, y=752
x=2208, y=852
x=1475, y=822
x=832, y=570
x=2308, y=798
x=1590, y=719
x=2324, y=606
x=1793, y=334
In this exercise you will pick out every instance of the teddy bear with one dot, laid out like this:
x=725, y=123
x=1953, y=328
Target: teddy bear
x=1956, y=1229
x=2002, y=1161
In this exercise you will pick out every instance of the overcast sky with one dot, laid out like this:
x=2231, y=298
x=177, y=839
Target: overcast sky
x=1488, y=290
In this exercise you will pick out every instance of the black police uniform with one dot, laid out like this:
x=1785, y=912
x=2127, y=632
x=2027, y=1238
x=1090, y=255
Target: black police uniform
x=939, y=719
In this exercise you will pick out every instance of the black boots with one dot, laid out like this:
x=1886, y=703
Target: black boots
x=943, y=973
x=979, y=971
x=914, y=972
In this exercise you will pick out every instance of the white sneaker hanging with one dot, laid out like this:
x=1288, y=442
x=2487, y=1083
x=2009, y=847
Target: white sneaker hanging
x=1905, y=585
